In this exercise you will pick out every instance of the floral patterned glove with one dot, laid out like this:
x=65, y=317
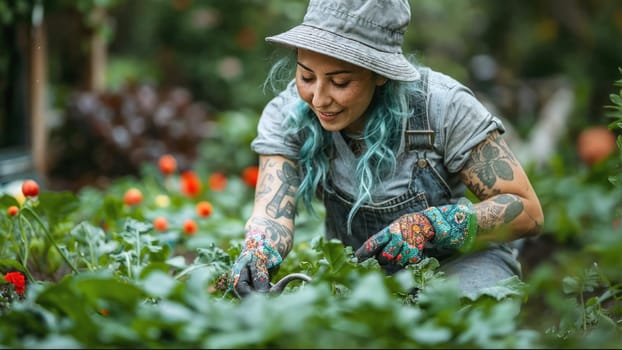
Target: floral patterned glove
x=251, y=270
x=402, y=242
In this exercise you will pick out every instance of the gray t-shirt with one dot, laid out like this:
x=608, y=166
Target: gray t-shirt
x=460, y=122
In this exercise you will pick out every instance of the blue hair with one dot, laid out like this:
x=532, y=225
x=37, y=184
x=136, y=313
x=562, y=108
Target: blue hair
x=391, y=105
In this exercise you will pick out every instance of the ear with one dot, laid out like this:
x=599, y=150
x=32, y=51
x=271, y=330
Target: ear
x=380, y=80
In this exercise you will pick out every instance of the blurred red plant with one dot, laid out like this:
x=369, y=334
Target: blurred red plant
x=190, y=183
x=249, y=175
x=217, y=181
x=12, y=210
x=204, y=209
x=167, y=164
x=190, y=227
x=17, y=279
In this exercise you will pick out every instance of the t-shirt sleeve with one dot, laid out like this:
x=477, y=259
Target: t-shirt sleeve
x=466, y=123
x=272, y=137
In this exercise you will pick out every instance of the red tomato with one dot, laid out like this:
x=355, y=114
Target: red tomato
x=30, y=188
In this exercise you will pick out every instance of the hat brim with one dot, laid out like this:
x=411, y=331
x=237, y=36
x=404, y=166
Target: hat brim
x=388, y=64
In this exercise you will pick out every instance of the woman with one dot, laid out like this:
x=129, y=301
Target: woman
x=390, y=148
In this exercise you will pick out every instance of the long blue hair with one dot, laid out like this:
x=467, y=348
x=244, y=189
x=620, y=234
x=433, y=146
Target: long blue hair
x=391, y=105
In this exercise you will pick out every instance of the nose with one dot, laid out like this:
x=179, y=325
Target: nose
x=321, y=95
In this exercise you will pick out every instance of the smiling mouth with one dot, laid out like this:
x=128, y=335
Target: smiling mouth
x=327, y=115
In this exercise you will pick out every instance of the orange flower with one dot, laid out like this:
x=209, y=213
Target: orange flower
x=132, y=197
x=17, y=279
x=249, y=175
x=167, y=164
x=204, y=209
x=190, y=183
x=217, y=181
x=160, y=223
x=190, y=227
x=12, y=210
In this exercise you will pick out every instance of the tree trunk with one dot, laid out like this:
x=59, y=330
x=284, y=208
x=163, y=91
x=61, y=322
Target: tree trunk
x=38, y=85
x=97, y=53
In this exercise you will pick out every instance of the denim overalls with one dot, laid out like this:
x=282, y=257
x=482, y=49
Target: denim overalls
x=427, y=188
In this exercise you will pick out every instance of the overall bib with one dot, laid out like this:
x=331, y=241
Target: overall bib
x=427, y=188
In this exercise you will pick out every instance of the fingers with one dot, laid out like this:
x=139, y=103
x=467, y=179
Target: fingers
x=260, y=277
x=252, y=277
x=389, y=249
x=373, y=246
x=408, y=255
x=243, y=286
x=250, y=270
x=392, y=251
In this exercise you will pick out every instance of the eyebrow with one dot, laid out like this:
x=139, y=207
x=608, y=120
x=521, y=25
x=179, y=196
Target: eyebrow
x=329, y=73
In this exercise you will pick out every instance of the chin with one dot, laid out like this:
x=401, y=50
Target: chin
x=331, y=126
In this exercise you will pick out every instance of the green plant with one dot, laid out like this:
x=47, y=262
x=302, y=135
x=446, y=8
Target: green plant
x=106, y=277
x=122, y=283
x=615, y=112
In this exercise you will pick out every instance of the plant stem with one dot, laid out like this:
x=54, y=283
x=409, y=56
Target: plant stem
x=24, y=239
x=51, y=239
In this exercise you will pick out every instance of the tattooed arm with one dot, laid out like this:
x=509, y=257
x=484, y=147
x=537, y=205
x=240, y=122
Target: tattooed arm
x=274, y=207
x=509, y=207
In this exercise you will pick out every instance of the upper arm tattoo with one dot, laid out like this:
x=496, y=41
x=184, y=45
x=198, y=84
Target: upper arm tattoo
x=489, y=162
x=264, y=187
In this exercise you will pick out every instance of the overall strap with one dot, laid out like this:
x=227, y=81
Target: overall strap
x=419, y=133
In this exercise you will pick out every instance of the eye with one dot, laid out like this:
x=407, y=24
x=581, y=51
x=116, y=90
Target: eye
x=305, y=77
x=340, y=84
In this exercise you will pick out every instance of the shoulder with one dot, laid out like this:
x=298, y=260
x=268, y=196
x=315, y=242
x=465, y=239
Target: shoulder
x=447, y=97
x=440, y=83
x=273, y=136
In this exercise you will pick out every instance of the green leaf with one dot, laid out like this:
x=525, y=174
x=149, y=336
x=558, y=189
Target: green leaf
x=570, y=285
x=430, y=333
x=159, y=284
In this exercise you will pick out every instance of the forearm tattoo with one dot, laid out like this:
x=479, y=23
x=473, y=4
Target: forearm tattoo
x=282, y=203
x=501, y=210
x=281, y=236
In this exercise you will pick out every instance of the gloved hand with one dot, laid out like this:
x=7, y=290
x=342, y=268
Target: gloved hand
x=402, y=242
x=251, y=270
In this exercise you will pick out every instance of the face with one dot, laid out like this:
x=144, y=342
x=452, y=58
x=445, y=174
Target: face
x=338, y=92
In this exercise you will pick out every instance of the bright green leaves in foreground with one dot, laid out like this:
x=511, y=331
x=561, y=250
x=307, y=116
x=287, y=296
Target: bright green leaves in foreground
x=345, y=305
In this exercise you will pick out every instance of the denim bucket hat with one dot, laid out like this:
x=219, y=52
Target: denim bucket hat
x=366, y=33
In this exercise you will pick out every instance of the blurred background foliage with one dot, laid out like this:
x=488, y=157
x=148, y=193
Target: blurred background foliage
x=211, y=55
